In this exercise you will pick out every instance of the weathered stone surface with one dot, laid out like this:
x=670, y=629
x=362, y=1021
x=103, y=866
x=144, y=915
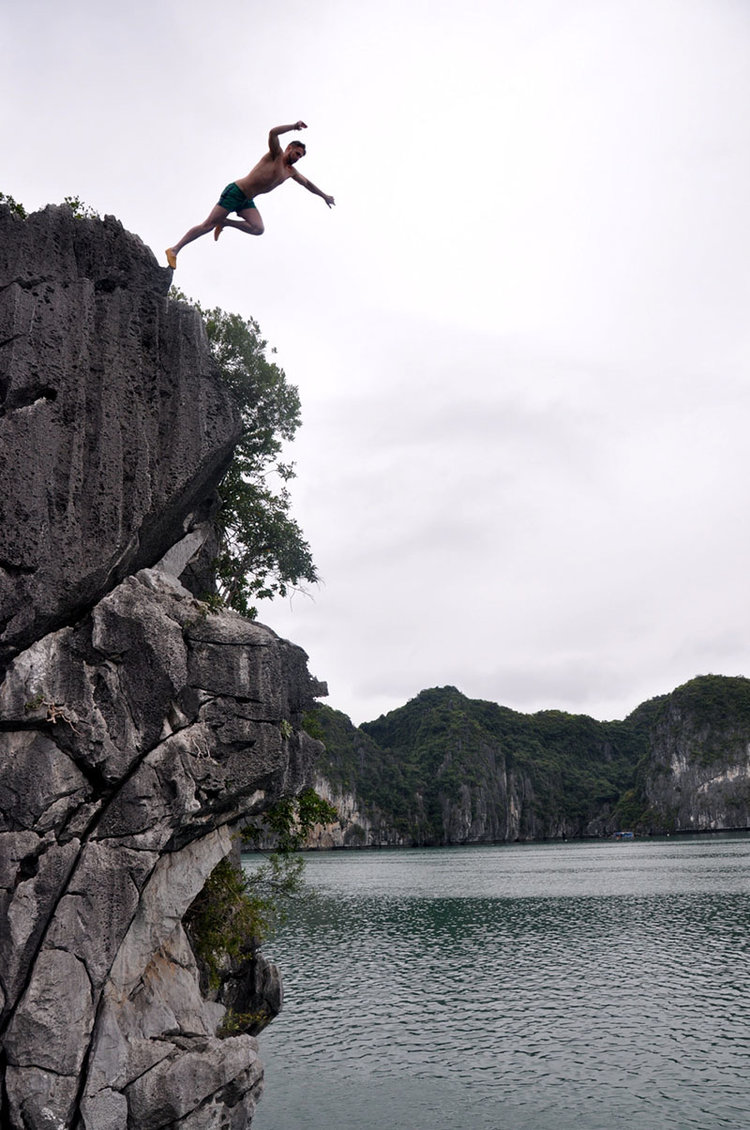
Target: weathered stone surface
x=39, y=1099
x=137, y=728
x=51, y=1026
x=113, y=389
x=698, y=777
x=39, y=876
x=39, y=786
x=108, y=906
x=178, y=1087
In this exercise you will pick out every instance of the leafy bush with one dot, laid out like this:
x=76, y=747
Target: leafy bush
x=236, y=911
x=16, y=208
x=262, y=550
x=81, y=211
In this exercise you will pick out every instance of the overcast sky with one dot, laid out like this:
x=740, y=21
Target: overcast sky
x=521, y=338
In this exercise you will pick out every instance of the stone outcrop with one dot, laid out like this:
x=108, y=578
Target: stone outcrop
x=115, y=429
x=698, y=774
x=138, y=728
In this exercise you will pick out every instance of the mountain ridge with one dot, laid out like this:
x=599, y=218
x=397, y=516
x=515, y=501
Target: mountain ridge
x=444, y=768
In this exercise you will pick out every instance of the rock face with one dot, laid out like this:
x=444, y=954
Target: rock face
x=114, y=428
x=698, y=774
x=137, y=727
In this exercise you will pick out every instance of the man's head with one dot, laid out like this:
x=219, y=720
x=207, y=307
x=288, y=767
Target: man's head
x=295, y=150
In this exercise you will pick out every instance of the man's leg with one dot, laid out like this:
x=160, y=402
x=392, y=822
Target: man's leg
x=251, y=223
x=217, y=215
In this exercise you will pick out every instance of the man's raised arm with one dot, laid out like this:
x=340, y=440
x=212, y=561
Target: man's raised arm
x=273, y=137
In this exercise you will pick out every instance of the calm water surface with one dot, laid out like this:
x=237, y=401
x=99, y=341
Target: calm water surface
x=596, y=986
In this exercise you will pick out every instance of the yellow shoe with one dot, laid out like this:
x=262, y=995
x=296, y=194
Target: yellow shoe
x=171, y=258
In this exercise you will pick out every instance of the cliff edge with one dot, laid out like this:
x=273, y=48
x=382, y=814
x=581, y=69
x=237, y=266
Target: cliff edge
x=137, y=727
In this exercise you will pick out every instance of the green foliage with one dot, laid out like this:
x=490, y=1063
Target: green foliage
x=290, y=820
x=720, y=702
x=354, y=762
x=408, y=766
x=311, y=725
x=235, y=1023
x=262, y=550
x=16, y=208
x=81, y=211
x=236, y=911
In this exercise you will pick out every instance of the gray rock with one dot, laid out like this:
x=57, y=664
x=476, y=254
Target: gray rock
x=39, y=1099
x=40, y=875
x=40, y=786
x=51, y=1026
x=176, y=560
x=113, y=389
x=137, y=728
x=178, y=1087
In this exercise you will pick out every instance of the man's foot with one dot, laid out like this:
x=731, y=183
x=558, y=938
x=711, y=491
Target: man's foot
x=171, y=258
x=218, y=230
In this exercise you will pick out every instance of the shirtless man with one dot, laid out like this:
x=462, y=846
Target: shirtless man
x=274, y=167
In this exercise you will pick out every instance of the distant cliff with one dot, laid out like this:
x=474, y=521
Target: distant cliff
x=138, y=728
x=696, y=777
x=445, y=769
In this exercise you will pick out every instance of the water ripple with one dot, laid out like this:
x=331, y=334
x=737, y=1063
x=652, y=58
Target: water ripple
x=532, y=985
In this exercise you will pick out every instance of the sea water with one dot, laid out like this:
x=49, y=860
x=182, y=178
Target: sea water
x=567, y=986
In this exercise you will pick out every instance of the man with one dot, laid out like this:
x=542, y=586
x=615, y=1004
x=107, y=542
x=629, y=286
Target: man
x=276, y=166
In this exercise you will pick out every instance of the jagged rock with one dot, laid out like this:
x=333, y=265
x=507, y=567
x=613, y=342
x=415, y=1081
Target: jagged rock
x=112, y=388
x=698, y=775
x=253, y=993
x=185, y=1086
x=138, y=729
x=158, y=815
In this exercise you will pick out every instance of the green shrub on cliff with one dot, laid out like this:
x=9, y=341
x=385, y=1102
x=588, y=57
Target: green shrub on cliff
x=16, y=208
x=262, y=550
x=237, y=910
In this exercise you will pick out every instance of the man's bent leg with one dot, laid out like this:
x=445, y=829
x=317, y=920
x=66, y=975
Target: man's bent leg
x=216, y=216
x=251, y=223
x=253, y=219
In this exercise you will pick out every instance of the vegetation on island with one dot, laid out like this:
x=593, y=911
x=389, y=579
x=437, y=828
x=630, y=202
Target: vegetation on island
x=410, y=769
x=16, y=208
x=80, y=210
x=574, y=765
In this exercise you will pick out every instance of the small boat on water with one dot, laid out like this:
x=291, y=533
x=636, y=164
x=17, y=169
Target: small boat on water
x=623, y=835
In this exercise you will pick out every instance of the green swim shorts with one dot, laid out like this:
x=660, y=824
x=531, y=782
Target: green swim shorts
x=234, y=199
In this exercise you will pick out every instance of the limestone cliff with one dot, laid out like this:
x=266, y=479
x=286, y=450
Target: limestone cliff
x=137, y=727
x=697, y=776
x=444, y=769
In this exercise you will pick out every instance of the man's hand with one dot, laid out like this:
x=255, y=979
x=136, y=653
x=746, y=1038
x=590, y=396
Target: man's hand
x=329, y=200
x=299, y=125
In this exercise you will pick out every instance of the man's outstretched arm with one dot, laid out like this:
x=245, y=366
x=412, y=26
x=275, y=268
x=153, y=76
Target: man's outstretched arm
x=273, y=137
x=308, y=184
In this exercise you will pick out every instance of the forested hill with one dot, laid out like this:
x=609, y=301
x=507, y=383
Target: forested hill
x=448, y=769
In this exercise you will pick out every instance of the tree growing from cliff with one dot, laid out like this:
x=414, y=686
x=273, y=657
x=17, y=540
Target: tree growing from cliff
x=237, y=910
x=262, y=551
